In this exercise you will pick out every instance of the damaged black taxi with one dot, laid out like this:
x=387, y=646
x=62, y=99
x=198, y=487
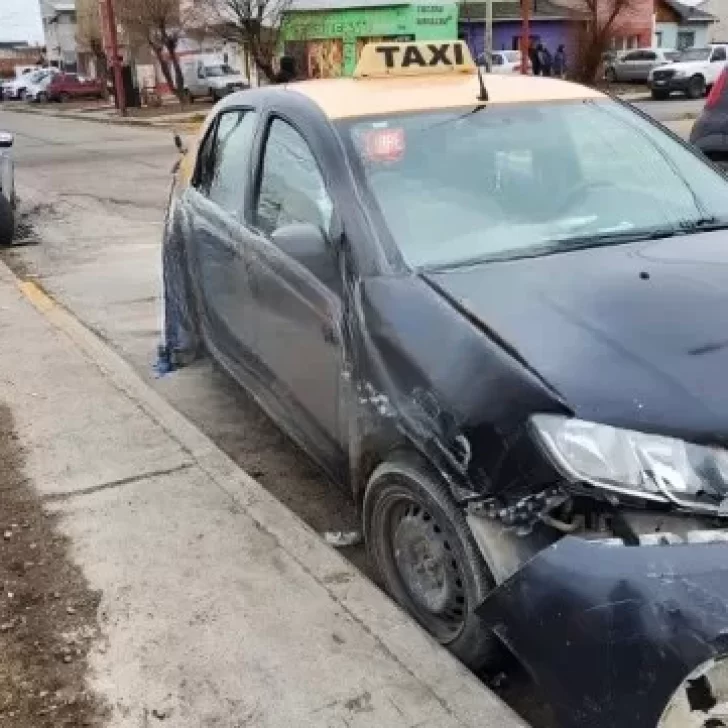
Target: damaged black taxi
x=495, y=310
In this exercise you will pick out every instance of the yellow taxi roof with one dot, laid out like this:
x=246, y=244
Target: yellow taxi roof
x=343, y=98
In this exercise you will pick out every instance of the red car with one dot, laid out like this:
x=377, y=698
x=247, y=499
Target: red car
x=68, y=86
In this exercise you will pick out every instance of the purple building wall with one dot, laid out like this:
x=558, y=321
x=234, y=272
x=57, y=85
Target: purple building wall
x=507, y=34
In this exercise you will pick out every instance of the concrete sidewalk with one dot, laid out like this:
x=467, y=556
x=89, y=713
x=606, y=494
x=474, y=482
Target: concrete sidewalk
x=219, y=607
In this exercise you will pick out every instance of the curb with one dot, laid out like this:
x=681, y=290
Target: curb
x=123, y=121
x=459, y=692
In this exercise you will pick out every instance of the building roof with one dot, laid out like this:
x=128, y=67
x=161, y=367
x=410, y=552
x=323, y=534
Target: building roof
x=540, y=10
x=690, y=13
x=342, y=98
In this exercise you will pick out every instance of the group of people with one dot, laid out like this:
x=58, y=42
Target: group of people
x=545, y=64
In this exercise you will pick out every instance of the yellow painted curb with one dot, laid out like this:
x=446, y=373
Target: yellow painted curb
x=36, y=295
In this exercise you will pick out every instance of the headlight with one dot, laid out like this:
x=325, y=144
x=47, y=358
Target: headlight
x=649, y=466
x=679, y=74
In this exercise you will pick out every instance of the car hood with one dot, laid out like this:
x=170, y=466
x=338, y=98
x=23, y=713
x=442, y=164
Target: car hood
x=687, y=66
x=631, y=335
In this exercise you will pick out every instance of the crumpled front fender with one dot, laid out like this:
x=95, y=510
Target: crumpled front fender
x=611, y=631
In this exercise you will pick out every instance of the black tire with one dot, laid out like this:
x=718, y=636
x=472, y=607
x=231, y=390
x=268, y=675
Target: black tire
x=610, y=75
x=660, y=95
x=7, y=221
x=63, y=97
x=42, y=97
x=696, y=87
x=407, y=509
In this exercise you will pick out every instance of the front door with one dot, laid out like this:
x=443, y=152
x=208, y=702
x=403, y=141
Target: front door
x=297, y=316
x=216, y=234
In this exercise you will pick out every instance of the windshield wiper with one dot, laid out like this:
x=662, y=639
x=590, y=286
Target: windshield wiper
x=703, y=224
x=565, y=245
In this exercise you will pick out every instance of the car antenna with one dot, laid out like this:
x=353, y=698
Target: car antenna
x=483, y=95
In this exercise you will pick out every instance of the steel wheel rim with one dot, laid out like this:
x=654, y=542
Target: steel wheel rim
x=420, y=551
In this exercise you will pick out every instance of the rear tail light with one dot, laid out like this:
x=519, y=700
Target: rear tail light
x=717, y=90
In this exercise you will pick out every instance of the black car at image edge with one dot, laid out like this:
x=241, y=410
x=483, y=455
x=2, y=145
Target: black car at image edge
x=710, y=131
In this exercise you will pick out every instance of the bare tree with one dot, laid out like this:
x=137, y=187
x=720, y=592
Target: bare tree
x=158, y=24
x=88, y=33
x=598, y=23
x=253, y=24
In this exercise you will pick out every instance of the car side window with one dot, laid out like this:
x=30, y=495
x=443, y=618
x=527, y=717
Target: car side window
x=224, y=160
x=292, y=188
x=718, y=54
x=649, y=56
x=630, y=57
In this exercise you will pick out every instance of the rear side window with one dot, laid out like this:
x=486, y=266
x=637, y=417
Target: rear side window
x=719, y=54
x=224, y=164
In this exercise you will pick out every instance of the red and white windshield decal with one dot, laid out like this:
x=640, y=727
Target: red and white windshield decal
x=383, y=145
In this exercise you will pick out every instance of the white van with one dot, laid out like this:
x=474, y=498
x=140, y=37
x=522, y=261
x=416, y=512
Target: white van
x=210, y=76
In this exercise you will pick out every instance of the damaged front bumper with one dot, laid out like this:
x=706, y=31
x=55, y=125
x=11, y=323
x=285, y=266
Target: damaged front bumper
x=621, y=635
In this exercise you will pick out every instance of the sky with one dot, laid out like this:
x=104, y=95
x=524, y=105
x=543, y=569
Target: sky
x=20, y=20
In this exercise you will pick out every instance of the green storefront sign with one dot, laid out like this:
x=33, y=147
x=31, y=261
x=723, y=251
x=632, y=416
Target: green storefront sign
x=327, y=43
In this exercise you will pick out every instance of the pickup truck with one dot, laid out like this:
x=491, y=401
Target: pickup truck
x=693, y=73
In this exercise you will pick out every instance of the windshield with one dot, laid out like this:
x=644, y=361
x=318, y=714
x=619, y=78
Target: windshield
x=221, y=70
x=507, y=181
x=695, y=54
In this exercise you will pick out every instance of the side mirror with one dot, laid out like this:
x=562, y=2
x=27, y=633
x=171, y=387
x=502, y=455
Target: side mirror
x=308, y=245
x=6, y=140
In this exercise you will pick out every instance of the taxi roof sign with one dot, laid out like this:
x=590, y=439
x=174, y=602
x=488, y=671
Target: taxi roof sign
x=383, y=59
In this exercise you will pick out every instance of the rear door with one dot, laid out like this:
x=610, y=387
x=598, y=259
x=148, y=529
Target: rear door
x=626, y=66
x=216, y=203
x=297, y=316
x=71, y=86
x=647, y=61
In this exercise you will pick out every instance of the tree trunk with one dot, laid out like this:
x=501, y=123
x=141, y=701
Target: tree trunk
x=158, y=52
x=179, y=82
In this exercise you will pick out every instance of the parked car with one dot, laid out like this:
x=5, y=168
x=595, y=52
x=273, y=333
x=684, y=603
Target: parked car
x=520, y=383
x=16, y=87
x=208, y=76
x=693, y=74
x=635, y=65
x=37, y=86
x=7, y=190
x=710, y=131
x=69, y=86
x=501, y=62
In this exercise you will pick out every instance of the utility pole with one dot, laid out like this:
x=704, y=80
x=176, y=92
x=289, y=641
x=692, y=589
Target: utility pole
x=489, y=31
x=111, y=46
x=525, y=34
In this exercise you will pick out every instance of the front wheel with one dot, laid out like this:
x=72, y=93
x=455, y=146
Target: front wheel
x=696, y=87
x=610, y=75
x=426, y=555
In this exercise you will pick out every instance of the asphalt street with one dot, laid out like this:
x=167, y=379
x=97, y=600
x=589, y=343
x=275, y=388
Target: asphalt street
x=673, y=109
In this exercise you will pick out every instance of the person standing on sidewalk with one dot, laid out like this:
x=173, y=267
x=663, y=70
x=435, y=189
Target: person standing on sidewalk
x=546, y=59
x=535, y=58
x=560, y=62
x=286, y=71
